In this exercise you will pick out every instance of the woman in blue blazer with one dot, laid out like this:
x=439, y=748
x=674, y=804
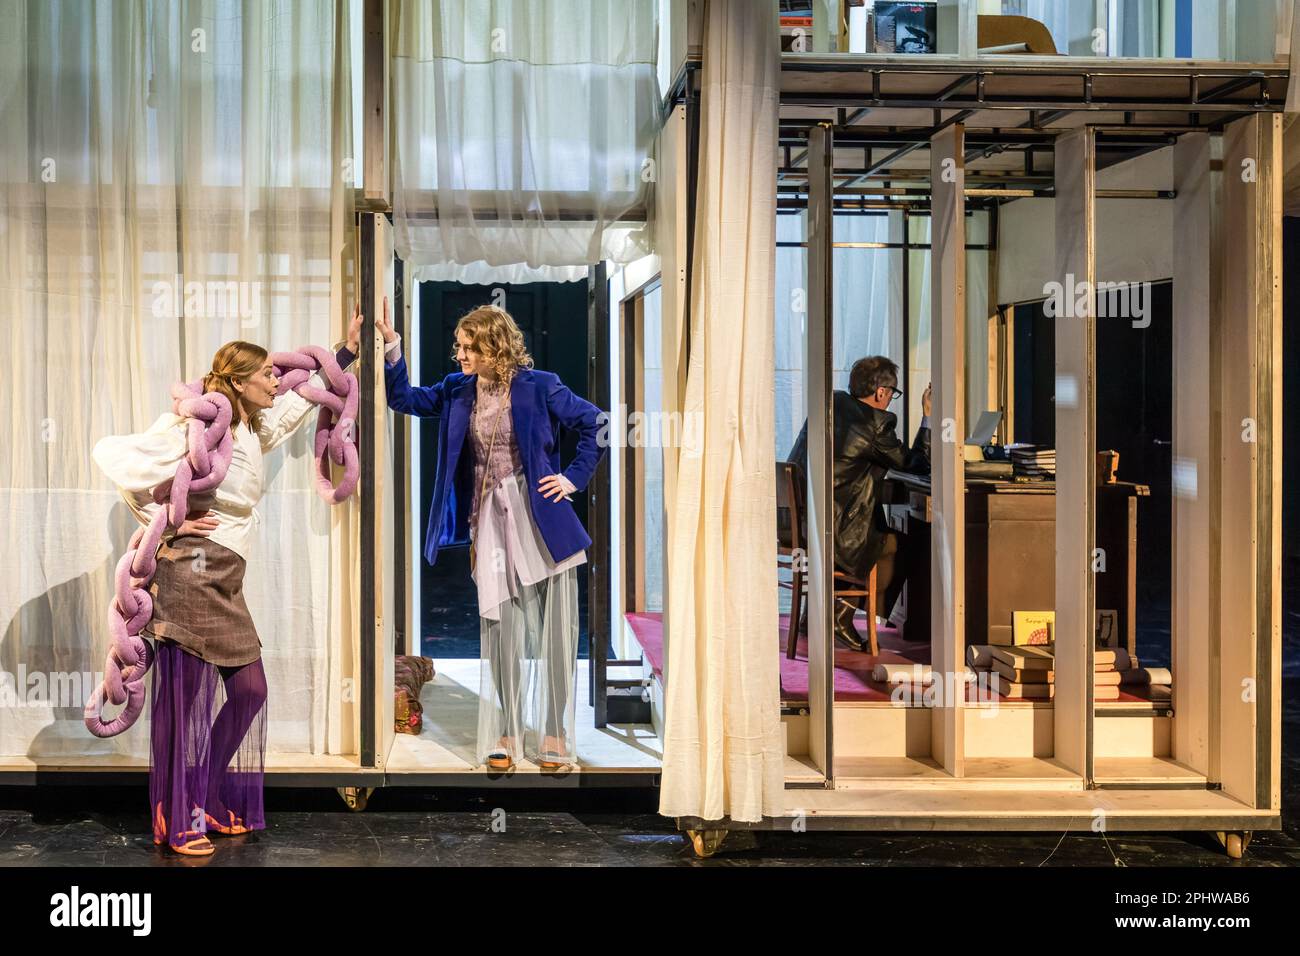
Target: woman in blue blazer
x=499, y=486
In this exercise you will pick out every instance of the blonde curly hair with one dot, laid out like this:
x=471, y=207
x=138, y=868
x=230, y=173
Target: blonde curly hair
x=494, y=335
x=235, y=360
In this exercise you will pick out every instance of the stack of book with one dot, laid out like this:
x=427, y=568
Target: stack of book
x=1025, y=671
x=1108, y=672
x=1028, y=671
x=1154, y=683
x=1032, y=461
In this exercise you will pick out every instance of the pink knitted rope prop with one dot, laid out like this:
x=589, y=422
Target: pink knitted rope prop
x=203, y=469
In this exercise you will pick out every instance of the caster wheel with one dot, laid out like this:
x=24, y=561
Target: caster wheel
x=355, y=798
x=706, y=842
x=1234, y=842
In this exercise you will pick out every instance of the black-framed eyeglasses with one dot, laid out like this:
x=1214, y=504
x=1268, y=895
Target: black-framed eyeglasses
x=895, y=392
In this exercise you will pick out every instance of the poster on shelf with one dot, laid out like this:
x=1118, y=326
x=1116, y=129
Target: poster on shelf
x=905, y=27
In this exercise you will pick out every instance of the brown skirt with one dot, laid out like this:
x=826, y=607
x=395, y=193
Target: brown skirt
x=198, y=602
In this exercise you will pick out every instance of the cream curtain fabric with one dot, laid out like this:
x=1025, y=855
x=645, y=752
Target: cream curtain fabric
x=172, y=176
x=723, y=749
x=522, y=129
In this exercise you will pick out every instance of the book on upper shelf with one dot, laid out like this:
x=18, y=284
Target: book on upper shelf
x=905, y=27
x=1033, y=628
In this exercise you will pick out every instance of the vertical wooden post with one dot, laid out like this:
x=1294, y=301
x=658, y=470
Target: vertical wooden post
x=377, y=585
x=598, y=623
x=817, y=386
x=673, y=201
x=367, y=415
x=635, y=536
x=374, y=103
x=1250, y=395
x=948, y=429
x=407, y=630
x=1196, y=438
x=1076, y=458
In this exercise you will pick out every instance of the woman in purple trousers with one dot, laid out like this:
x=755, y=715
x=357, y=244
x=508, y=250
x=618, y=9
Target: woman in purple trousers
x=205, y=772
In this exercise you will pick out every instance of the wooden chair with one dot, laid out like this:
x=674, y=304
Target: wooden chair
x=1009, y=34
x=791, y=554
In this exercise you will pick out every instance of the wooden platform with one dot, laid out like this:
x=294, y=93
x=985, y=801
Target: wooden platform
x=924, y=773
x=445, y=744
x=903, y=809
x=442, y=755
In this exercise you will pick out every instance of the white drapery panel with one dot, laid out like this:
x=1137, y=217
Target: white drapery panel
x=867, y=310
x=868, y=313
x=723, y=747
x=522, y=131
x=173, y=176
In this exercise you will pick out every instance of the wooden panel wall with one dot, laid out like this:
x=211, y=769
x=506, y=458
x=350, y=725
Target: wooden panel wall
x=1249, y=345
x=1195, y=545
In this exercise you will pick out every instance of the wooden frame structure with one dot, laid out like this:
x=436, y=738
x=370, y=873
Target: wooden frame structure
x=1211, y=762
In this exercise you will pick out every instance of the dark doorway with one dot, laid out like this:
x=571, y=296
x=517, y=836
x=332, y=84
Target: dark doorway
x=1134, y=418
x=553, y=319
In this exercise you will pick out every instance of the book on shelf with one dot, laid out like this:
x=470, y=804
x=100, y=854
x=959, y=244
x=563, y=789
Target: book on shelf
x=1032, y=628
x=1021, y=675
x=1009, y=688
x=1026, y=657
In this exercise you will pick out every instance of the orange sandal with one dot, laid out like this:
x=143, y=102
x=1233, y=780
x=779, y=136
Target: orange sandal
x=198, y=845
x=499, y=758
x=234, y=828
x=552, y=757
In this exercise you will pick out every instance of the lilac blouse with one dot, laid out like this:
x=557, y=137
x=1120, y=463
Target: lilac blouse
x=491, y=411
x=509, y=550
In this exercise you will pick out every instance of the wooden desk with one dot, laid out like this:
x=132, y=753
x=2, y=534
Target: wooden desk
x=1011, y=555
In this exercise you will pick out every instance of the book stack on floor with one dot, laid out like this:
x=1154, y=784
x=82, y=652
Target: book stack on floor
x=1031, y=461
x=1024, y=671
x=1157, y=682
x=1028, y=671
x=1108, y=665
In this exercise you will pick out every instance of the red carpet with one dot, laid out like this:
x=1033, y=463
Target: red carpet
x=852, y=669
x=648, y=629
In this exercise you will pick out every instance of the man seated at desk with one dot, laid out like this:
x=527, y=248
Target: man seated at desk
x=864, y=447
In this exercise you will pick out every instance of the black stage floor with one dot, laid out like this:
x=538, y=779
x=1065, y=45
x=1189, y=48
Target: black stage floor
x=108, y=826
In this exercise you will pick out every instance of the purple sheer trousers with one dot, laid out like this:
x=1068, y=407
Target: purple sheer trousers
x=205, y=773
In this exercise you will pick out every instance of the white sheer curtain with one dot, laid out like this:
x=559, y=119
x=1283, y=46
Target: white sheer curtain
x=148, y=146
x=522, y=130
x=723, y=747
x=1135, y=28
x=868, y=308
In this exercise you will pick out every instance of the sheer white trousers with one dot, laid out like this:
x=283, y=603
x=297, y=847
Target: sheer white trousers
x=528, y=633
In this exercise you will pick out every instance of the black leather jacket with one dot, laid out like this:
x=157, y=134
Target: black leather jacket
x=866, y=444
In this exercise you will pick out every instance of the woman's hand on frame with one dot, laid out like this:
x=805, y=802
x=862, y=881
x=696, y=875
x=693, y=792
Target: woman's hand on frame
x=383, y=326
